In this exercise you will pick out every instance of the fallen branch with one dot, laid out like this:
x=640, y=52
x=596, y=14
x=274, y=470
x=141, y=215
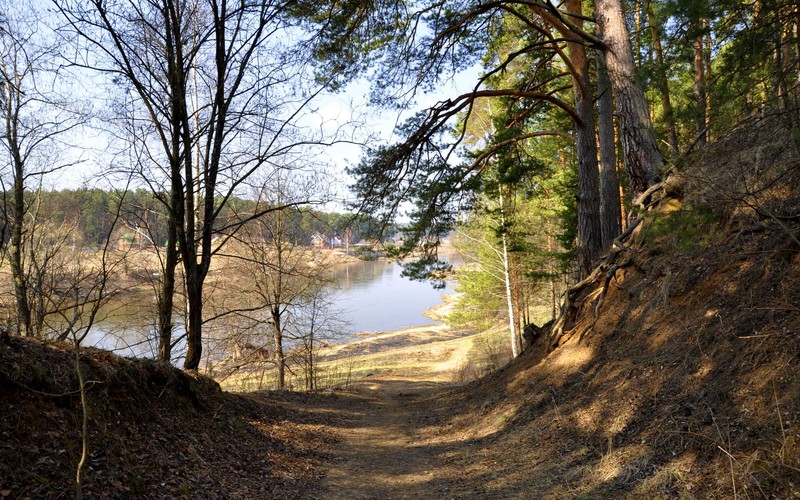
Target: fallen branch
x=619, y=240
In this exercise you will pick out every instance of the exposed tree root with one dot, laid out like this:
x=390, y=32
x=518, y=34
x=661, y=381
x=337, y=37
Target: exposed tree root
x=605, y=271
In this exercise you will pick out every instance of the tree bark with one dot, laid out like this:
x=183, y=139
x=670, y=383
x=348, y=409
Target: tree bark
x=589, y=237
x=638, y=36
x=610, y=212
x=10, y=98
x=280, y=359
x=707, y=81
x=183, y=195
x=643, y=160
x=512, y=322
x=699, y=85
x=553, y=294
x=167, y=293
x=16, y=261
x=194, y=339
x=517, y=294
x=175, y=206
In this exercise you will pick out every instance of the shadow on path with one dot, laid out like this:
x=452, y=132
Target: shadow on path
x=384, y=453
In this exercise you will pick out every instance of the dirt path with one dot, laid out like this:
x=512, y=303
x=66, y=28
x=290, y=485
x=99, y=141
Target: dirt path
x=389, y=423
x=384, y=453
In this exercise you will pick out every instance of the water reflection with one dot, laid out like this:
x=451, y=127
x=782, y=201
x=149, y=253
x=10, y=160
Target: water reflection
x=375, y=297
x=129, y=329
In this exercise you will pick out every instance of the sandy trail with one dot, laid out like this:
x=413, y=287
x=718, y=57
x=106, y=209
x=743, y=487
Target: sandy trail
x=385, y=453
x=388, y=431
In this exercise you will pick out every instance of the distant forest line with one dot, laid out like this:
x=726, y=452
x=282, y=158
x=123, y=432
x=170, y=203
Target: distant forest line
x=137, y=215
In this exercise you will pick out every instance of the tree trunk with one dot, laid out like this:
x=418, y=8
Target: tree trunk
x=553, y=292
x=10, y=98
x=610, y=214
x=184, y=196
x=280, y=359
x=638, y=35
x=166, y=297
x=38, y=310
x=662, y=81
x=194, y=338
x=643, y=160
x=516, y=292
x=512, y=322
x=507, y=281
x=166, y=302
x=589, y=237
x=707, y=82
x=16, y=260
x=311, y=375
x=699, y=85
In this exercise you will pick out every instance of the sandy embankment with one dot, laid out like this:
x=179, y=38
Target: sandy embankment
x=372, y=342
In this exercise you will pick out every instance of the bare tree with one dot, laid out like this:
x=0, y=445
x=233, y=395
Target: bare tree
x=69, y=282
x=49, y=249
x=85, y=287
x=215, y=94
x=35, y=115
x=316, y=324
x=275, y=275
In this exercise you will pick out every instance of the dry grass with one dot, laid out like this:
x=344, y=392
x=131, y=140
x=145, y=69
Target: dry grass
x=426, y=351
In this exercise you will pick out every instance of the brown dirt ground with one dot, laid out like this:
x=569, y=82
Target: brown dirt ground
x=685, y=387
x=692, y=396
x=155, y=432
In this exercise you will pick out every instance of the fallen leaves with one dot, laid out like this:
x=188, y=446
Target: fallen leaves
x=152, y=433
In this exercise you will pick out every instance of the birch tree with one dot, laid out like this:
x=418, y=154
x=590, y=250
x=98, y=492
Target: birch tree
x=499, y=268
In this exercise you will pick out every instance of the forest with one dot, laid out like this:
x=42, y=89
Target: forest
x=619, y=177
x=95, y=213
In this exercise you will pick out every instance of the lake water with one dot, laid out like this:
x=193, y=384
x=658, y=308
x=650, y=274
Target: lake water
x=372, y=297
x=375, y=297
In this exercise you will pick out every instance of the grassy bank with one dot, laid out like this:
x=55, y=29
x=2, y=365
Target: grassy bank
x=437, y=352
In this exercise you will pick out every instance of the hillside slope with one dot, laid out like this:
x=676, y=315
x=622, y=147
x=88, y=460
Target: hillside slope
x=686, y=385
x=155, y=432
